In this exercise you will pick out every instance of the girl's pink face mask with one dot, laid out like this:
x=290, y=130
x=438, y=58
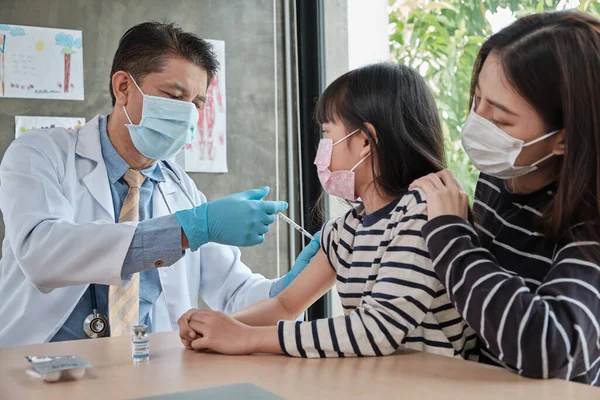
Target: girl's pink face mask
x=337, y=183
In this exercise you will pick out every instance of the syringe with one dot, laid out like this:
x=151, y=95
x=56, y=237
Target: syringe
x=296, y=226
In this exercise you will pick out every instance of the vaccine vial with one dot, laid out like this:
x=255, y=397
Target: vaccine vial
x=140, y=346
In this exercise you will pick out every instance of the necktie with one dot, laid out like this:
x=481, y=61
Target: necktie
x=124, y=300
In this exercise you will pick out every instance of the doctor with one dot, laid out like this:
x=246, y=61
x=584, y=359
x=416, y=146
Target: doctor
x=100, y=236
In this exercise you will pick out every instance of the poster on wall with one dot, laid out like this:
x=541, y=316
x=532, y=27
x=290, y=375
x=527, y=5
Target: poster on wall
x=40, y=63
x=208, y=152
x=24, y=124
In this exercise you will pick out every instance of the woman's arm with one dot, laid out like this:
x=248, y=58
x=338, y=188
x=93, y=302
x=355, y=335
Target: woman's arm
x=552, y=332
x=548, y=333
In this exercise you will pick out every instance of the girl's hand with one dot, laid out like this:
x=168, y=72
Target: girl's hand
x=444, y=194
x=187, y=334
x=219, y=332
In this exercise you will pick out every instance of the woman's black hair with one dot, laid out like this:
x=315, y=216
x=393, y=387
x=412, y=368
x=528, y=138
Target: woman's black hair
x=553, y=60
x=397, y=102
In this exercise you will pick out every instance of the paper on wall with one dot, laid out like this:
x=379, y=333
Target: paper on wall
x=208, y=152
x=40, y=63
x=24, y=124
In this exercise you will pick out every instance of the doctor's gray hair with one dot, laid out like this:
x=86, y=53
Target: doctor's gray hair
x=144, y=49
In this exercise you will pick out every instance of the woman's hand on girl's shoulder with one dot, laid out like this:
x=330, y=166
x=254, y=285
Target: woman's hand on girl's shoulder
x=445, y=196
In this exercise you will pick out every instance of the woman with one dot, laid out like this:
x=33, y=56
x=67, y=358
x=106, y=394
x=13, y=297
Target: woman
x=381, y=132
x=527, y=278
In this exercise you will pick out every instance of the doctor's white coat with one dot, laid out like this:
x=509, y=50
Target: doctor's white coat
x=61, y=235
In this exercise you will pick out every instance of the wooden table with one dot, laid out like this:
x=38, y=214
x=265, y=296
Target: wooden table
x=410, y=375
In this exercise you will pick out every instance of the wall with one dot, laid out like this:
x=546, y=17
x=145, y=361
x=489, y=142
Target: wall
x=336, y=64
x=368, y=37
x=253, y=96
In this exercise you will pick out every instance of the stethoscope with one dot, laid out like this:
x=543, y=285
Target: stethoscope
x=96, y=325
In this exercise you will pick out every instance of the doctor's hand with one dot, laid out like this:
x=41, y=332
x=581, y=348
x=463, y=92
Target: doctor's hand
x=303, y=259
x=240, y=219
x=445, y=196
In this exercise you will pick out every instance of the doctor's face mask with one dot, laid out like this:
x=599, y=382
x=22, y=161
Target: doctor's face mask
x=166, y=126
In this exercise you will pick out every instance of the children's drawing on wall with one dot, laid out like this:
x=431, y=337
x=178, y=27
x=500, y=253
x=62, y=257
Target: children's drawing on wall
x=208, y=152
x=41, y=63
x=25, y=124
x=5, y=32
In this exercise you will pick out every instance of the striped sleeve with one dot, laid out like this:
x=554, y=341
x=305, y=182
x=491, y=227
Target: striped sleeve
x=404, y=289
x=330, y=239
x=552, y=332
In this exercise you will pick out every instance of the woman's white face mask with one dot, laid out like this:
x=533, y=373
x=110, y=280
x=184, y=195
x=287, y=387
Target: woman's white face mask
x=493, y=151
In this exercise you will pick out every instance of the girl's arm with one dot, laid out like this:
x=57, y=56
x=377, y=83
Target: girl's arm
x=236, y=334
x=307, y=288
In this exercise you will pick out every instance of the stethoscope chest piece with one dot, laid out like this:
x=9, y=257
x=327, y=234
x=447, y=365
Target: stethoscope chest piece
x=95, y=325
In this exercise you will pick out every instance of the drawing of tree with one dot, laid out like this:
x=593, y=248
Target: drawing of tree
x=14, y=31
x=70, y=46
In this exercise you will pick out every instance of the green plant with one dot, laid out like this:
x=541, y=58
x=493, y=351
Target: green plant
x=440, y=39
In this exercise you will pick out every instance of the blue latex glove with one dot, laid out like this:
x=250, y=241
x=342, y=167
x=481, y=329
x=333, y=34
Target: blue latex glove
x=241, y=219
x=304, y=258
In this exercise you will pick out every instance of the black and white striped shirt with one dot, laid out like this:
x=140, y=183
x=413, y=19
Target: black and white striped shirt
x=534, y=302
x=390, y=294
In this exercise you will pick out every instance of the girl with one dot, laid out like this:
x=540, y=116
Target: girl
x=527, y=279
x=381, y=131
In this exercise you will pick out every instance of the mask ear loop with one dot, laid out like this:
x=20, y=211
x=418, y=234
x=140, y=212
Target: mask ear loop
x=546, y=136
x=365, y=157
x=345, y=137
x=360, y=162
x=127, y=115
x=138, y=88
x=542, y=160
x=136, y=85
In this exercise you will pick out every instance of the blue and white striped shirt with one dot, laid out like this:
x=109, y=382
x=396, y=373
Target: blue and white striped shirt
x=533, y=300
x=390, y=294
